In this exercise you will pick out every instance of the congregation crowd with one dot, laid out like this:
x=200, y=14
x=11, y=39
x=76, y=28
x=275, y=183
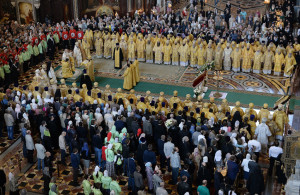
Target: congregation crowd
x=213, y=147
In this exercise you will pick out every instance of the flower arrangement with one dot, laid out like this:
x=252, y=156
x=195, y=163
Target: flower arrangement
x=169, y=123
x=207, y=66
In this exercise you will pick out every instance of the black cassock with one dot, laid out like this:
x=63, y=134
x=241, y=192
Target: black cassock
x=85, y=79
x=118, y=57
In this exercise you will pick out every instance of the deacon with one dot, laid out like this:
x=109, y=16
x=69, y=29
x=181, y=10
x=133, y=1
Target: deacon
x=127, y=78
x=118, y=56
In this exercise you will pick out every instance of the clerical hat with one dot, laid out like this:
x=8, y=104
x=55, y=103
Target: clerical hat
x=131, y=100
x=197, y=110
x=142, y=99
x=89, y=93
x=36, y=88
x=24, y=87
x=77, y=91
x=186, y=108
x=70, y=91
x=16, y=84
x=46, y=88
x=84, y=71
x=99, y=95
x=109, y=98
x=163, y=104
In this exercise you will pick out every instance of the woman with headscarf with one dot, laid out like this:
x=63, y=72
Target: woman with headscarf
x=245, y=166
x=202, y=146
x=236, y=117
x=218, y=159
x=255, y=182
x=85, y=157
x=13, y=184
x=97, y=175
x=149, y=172
x=105, y=180
x=110, y=156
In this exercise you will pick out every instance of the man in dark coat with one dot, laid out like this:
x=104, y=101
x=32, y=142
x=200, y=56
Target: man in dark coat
x=255, y=182
x=51, y=47
x=85, y=79
x=118, y=57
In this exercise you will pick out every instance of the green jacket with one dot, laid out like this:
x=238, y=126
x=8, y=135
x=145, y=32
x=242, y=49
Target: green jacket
x=36, y=51
x=20, y=59
x=86, y=187
x=97, y=179
x=30, y=50
x=25, y=56
x=97, y=192
x=110, y=156
x=40, y=47
x=2, y=74
x=45, y=45
x=56, y=38
x=106, y=182
x=6, y=68
x=115, y=187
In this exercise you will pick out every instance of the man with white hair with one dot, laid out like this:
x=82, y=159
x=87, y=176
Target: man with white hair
x=263, y=132
x=77, y=54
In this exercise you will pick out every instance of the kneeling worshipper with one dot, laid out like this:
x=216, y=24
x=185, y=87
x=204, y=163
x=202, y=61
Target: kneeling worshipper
x=66, y=68
x=118, y=56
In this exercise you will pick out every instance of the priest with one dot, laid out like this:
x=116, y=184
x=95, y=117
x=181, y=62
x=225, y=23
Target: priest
x=118, y=56
x=85, y=79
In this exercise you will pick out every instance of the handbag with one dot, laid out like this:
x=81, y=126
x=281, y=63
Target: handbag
x=224, y=170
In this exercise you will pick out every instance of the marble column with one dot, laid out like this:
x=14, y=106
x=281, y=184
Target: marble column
x=75, y=9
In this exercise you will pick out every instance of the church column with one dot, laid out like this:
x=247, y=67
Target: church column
x=75, y=9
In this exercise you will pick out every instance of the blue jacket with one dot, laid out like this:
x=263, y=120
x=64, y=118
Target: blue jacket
x=232, y=169
x=160, y=146
x=131, y=166
x=149, y=156
x=75, y=160
x=119, y=125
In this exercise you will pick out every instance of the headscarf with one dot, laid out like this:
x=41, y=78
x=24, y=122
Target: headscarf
x=11, y=176
x=196, y=152
x=218, y=155
x=148, y=164
x=28, y=107
x=205, y=159
x=18, y=110
x=105, y=173
x=110, y=146
x=248, y=156
x=85, y=148
x=96, y=170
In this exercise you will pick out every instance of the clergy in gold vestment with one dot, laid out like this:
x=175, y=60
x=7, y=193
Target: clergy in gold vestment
x=66, y=69
x=258, y=60
x=149, y=51
x=247, y=59
x=132, y=68
x=193, y=55
x=107, y=47
x=137, y=70
x=86, y=47
x=236, y=59
x=158, y=53
x=290, y=61
x=118, y=56
x=218, y=57
x=281, y=119
x=127, y=78
x=268, y=61
x=209, y=53
x=140, y=47
x=278, y=62
x=89, y=65
x=184, y=54
x=90, y=36
x=99, y=47
x=113, y=43
x=124, y=47
x=201, y=55
x=175, y=54
x=167, y=50
x=131, y=50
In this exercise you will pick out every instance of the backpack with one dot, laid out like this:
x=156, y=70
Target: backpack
x=119, y=160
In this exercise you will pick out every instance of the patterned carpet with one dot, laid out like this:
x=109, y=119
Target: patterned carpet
x=6, y=143
x=184, y=76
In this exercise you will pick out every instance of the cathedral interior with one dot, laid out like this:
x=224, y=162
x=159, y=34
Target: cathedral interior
x=259, y=79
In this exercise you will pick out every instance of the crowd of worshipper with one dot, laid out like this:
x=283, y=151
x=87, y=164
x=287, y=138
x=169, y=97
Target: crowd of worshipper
x=143, y=138
x=193, y=36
